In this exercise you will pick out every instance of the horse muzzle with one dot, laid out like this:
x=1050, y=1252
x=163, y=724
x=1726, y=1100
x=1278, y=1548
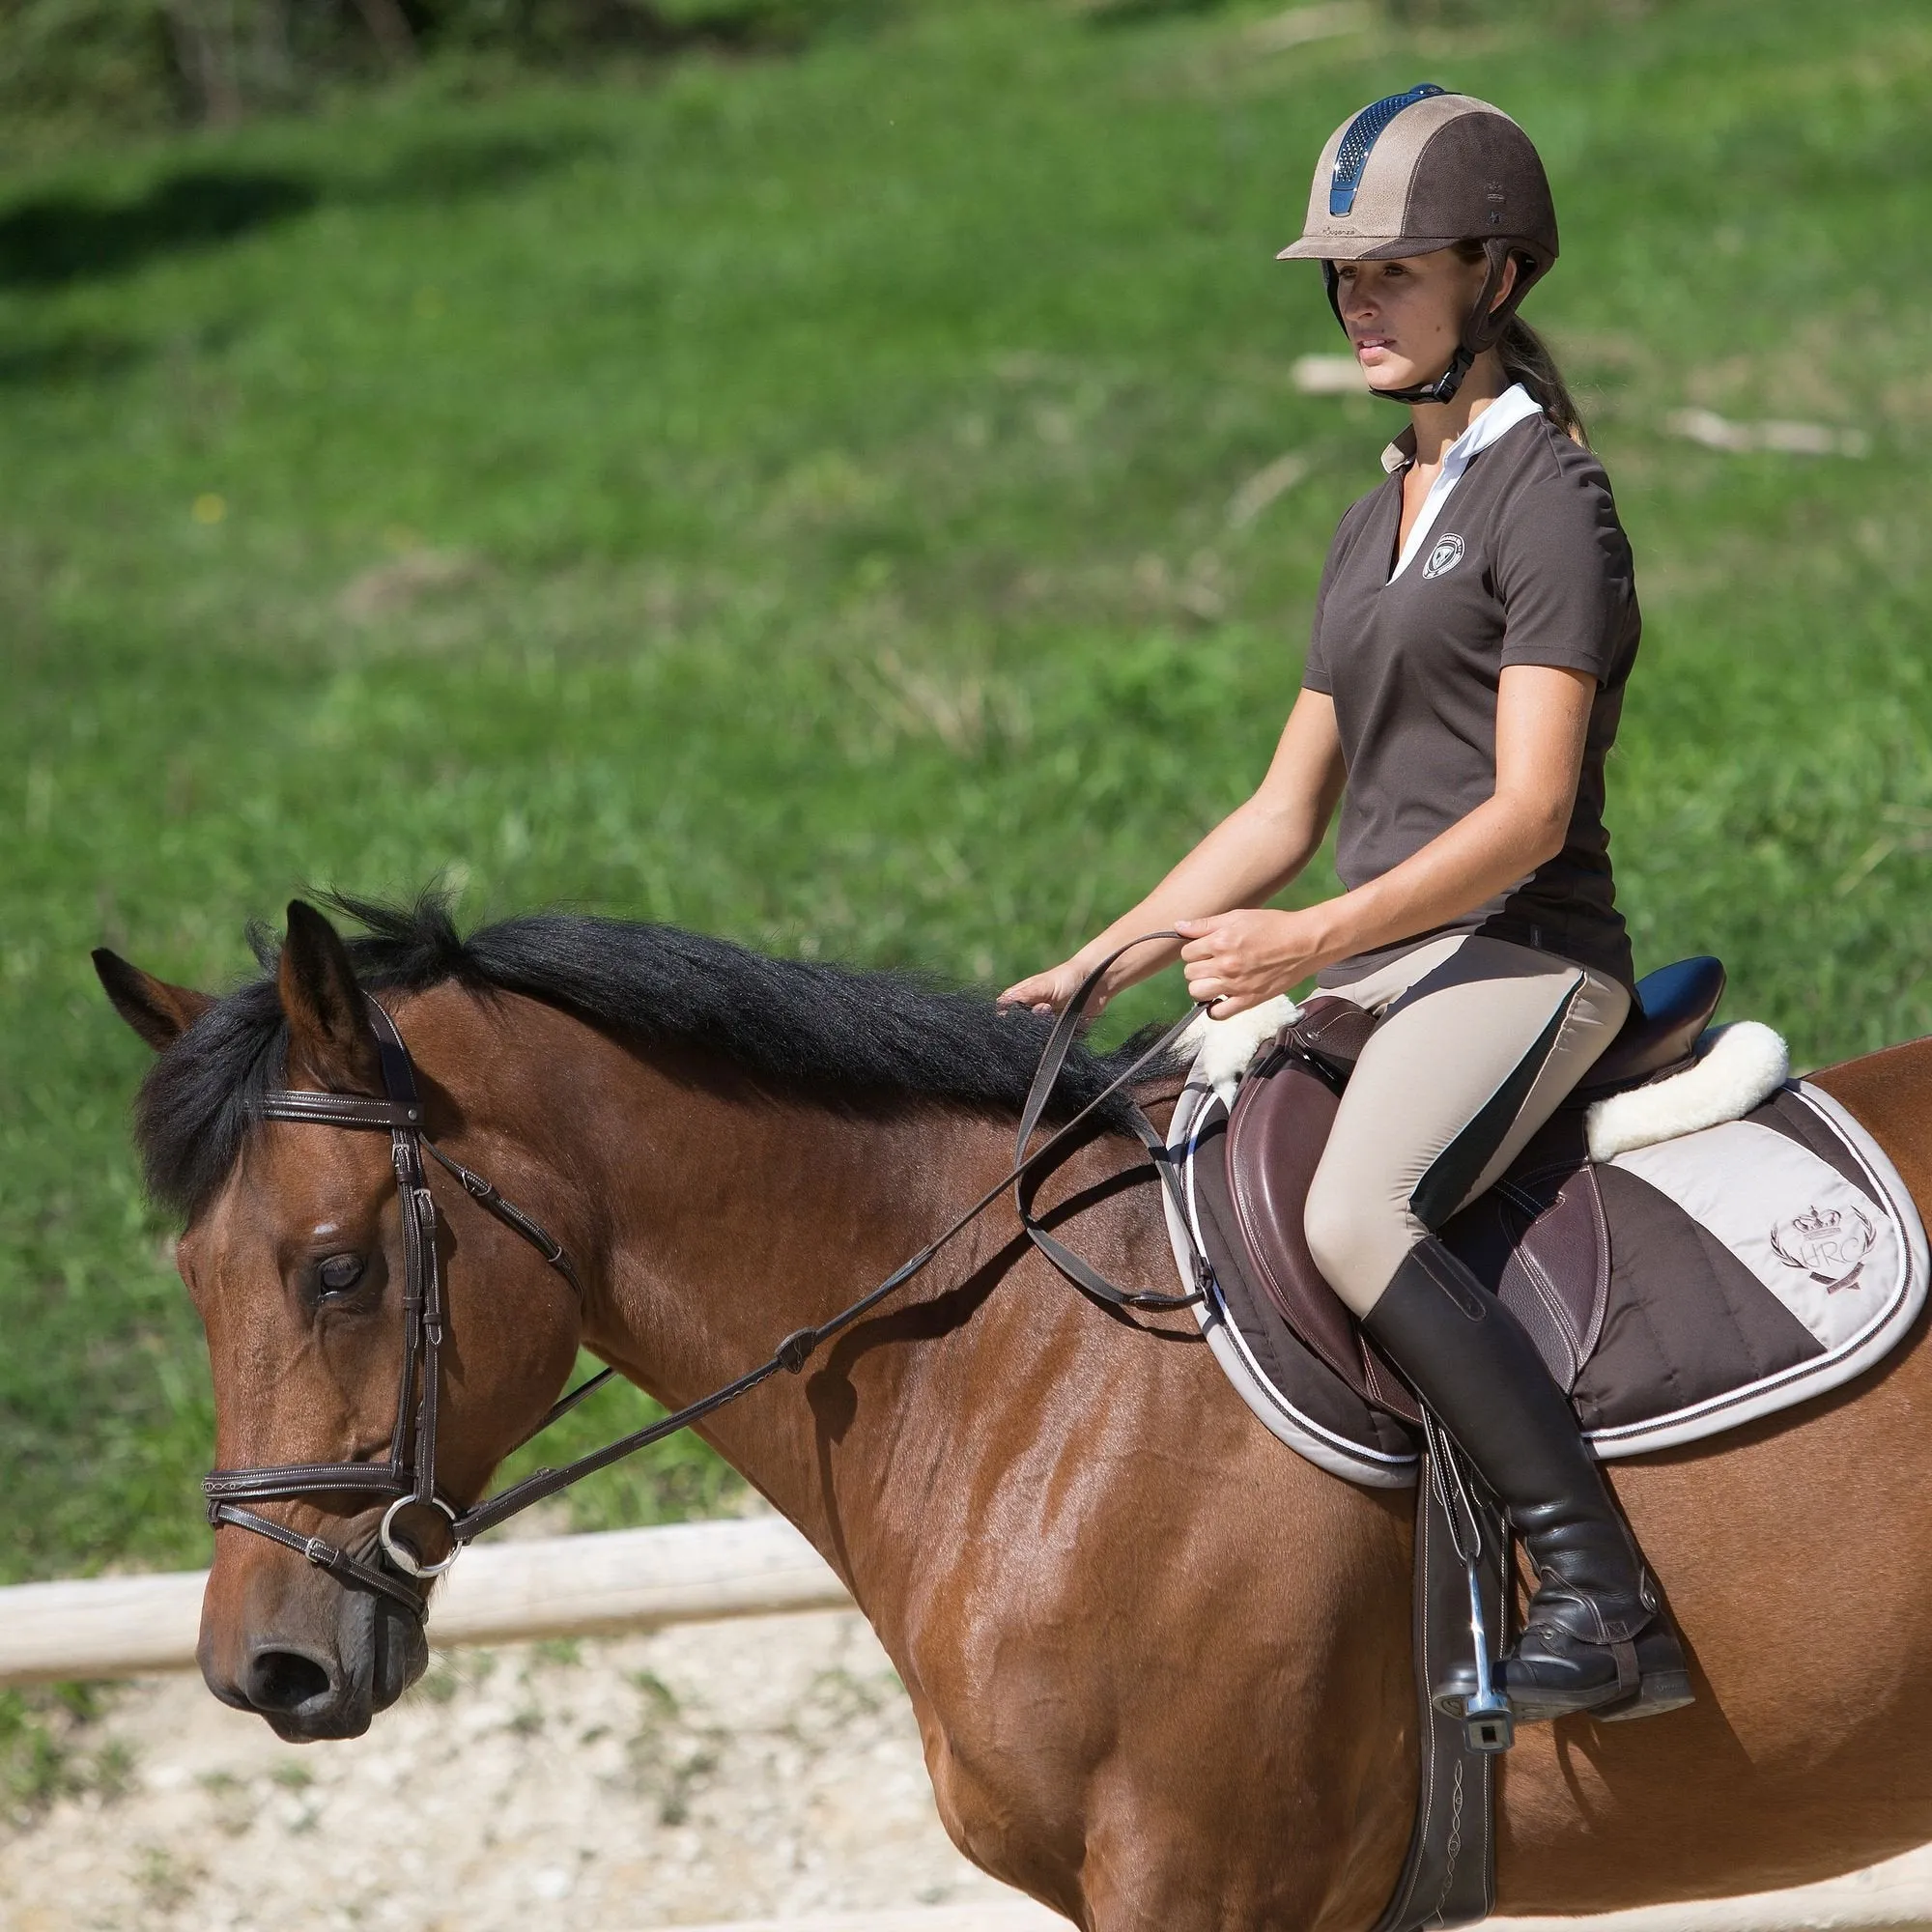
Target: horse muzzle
x=320, y=1665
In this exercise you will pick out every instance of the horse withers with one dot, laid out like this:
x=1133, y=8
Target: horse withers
x=1160, y=1667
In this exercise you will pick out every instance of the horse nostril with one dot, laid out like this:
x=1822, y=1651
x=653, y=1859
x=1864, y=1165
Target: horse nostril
x=282, y=1680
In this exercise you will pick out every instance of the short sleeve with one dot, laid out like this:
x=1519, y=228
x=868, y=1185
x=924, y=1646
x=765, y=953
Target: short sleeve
x=1315, y=675
x=1315, y=667
x=1564, y=572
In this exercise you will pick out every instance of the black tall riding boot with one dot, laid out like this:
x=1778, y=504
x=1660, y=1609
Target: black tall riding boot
x=1596, y=1637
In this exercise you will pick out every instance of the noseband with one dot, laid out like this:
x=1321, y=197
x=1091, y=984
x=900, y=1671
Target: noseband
x=407, y=1478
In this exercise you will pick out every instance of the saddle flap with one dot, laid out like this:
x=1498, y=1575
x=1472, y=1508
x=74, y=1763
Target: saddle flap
x=1275, y=1138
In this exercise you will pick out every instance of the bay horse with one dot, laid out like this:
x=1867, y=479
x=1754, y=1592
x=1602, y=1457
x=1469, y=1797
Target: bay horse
x=1160, y=1664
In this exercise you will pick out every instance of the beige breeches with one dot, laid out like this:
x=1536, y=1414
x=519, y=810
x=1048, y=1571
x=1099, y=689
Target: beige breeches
x=1479, y=1043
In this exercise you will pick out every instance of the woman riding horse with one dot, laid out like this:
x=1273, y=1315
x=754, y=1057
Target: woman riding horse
x=1475, y=625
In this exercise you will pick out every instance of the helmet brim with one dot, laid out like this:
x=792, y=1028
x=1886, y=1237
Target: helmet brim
x=1364, y=247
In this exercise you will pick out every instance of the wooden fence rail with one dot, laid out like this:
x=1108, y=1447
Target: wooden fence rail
x=624, y=1580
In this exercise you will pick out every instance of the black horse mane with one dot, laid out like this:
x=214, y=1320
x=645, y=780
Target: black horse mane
x=846, y=1039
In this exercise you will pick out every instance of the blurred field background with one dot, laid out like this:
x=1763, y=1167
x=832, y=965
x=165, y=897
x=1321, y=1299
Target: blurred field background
x=831, y=475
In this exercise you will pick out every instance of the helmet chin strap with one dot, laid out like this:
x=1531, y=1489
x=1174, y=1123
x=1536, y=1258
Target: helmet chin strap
x=1484, y=327
x=1442, y=389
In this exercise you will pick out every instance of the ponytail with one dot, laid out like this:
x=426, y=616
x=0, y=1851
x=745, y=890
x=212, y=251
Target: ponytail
x=1526, y=358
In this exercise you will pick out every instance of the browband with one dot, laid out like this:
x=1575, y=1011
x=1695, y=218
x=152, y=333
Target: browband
x=340, y=1110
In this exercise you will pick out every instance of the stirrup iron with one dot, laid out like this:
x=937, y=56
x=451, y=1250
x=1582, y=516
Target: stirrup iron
x=1487, y=1724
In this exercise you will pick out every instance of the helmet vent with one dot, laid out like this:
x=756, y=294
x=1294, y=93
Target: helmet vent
x=1363, y=132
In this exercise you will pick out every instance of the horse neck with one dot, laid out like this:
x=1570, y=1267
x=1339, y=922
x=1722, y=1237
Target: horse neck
x=711, y=1219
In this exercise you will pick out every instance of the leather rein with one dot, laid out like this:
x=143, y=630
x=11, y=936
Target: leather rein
x=407, y=1478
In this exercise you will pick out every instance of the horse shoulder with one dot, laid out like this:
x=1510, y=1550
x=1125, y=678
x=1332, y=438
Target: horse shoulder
x=1156, y=1653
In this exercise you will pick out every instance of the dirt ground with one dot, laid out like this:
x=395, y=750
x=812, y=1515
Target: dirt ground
x=710, y=1773
x=766, y=1768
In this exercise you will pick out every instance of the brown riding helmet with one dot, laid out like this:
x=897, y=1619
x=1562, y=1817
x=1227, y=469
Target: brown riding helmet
x=1424, y=170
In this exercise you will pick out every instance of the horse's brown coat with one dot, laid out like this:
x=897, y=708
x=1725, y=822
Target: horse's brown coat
x=1160, y=1664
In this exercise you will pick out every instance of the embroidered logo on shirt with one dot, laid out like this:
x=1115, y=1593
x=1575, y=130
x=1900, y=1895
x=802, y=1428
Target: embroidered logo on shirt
x=1444, y=557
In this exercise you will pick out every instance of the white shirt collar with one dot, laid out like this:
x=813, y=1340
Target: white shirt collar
x=1503, y=415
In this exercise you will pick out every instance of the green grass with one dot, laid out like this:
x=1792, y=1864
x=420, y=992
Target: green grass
x=791, y=498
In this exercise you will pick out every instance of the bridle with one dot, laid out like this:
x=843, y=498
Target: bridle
x=408, y=1476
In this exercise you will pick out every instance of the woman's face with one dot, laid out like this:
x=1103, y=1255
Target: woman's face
x=1405, y=317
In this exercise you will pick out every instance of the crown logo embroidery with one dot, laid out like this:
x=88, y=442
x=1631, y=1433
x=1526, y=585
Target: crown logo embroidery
x=1829, y=1245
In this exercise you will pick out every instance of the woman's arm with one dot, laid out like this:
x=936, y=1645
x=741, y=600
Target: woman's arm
x=1239, y=959
x=1251, y=855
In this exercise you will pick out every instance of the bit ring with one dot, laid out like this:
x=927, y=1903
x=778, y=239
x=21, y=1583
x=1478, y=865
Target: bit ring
x=401, y=1554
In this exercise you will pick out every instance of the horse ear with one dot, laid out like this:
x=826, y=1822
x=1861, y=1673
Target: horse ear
x=329, y=1036
x=160, y=1013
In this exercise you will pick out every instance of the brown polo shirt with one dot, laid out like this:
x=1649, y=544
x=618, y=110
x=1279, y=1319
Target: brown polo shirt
x=1526, y=563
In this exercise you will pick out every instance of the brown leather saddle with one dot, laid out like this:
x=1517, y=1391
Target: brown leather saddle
x=1540, y=1235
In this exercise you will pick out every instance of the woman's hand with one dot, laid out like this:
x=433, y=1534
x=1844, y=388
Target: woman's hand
x=1238, y=959
x=1049, y=992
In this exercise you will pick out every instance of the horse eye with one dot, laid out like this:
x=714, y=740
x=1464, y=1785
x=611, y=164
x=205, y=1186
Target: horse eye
x=339, y=1273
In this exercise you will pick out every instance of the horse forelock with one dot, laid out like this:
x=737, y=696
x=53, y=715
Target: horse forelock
x=839, y=1035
